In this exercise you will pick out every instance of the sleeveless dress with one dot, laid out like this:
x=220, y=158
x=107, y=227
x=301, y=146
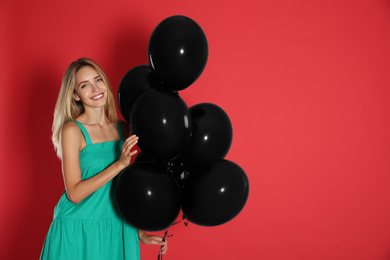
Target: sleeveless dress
x=92, y=229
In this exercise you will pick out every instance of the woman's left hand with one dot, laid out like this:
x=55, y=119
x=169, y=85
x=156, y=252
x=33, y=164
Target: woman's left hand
x=153, y=240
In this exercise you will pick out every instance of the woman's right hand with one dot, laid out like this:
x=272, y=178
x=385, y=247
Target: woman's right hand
x=126, y=154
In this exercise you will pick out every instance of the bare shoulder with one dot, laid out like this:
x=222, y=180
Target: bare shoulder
x=71, y=133
x=70, y=128
x=125, y=129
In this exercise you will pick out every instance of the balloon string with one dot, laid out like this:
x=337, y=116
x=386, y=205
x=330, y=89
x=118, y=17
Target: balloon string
x=160, y=255
x=183, y=218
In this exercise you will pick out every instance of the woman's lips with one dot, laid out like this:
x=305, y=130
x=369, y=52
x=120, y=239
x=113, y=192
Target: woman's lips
x=98, y=97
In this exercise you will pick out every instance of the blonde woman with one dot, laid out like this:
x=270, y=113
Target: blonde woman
x=94, y=146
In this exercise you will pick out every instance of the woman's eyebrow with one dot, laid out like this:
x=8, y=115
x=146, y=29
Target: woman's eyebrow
x=85, y=81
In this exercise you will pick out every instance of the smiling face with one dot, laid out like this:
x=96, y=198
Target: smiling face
x=90, y=88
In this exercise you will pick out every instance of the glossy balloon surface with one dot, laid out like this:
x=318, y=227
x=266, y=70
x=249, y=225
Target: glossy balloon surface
x=134, y=83
x=143, y=157
x=174, y=167
x=211, y=137
x=147, y=197
x=178, y=51
x=215, y=195
x=161, y=119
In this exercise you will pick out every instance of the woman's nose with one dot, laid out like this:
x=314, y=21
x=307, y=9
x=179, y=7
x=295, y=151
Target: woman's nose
x=95, y=87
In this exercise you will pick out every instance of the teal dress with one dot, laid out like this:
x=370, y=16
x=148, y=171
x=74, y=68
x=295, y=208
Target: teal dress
x=92, y=229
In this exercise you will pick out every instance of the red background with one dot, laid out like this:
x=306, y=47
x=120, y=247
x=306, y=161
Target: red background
x=305, y=84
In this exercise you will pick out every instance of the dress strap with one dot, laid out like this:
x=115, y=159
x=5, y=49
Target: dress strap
x=85, y=133
x=120, y=130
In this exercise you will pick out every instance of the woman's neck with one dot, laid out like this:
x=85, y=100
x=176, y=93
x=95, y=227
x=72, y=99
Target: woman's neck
x=94, y=116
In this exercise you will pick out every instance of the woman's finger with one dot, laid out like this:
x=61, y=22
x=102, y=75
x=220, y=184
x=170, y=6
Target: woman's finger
x=133, y=152
x=127, y=146
x=156, y=240
x=164, y=248
x=130, y=140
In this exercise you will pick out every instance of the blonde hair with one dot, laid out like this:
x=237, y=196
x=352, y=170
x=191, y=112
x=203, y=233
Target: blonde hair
x=68, y=109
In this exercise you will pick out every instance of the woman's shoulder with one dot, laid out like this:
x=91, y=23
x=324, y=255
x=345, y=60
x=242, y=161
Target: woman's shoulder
x=70, y=124
x=71, y=129
x=71, y=138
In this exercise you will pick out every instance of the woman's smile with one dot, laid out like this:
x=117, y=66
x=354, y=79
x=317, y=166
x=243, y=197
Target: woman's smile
x=98, y=96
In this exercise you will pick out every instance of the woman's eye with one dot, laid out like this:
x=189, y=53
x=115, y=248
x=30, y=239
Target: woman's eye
x=99, y=80
x=84, y=85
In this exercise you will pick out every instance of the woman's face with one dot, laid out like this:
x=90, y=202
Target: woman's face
x=90, y=88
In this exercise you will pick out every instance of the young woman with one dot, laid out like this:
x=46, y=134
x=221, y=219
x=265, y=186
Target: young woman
x=93, y=147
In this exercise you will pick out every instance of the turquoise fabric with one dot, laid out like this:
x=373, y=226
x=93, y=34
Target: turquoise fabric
x=91, y=229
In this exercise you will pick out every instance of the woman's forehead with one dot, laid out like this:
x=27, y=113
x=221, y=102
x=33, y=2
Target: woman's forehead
x=86, y=70
x=86, y=73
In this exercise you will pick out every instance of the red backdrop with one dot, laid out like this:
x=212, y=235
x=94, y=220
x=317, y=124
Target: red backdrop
x=305, y=84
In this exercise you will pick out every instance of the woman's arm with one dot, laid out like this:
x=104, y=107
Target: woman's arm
x=76, y=189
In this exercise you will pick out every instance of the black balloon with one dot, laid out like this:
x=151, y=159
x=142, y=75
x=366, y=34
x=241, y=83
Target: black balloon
x=134, y=83
x=178, y=51
x=143, y=157
x=161, y=119
x=212, y=135
x=215, y=195
x=147, y=197
x=174, y=167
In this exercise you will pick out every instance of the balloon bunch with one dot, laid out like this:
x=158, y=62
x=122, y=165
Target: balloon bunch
x=181, y=164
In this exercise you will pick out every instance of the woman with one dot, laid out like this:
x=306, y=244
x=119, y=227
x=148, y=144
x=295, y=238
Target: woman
x=88, y=139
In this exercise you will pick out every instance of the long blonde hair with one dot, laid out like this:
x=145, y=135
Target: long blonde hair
x=68, y=109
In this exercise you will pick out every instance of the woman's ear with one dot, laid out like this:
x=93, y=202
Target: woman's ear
x=76, y=97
